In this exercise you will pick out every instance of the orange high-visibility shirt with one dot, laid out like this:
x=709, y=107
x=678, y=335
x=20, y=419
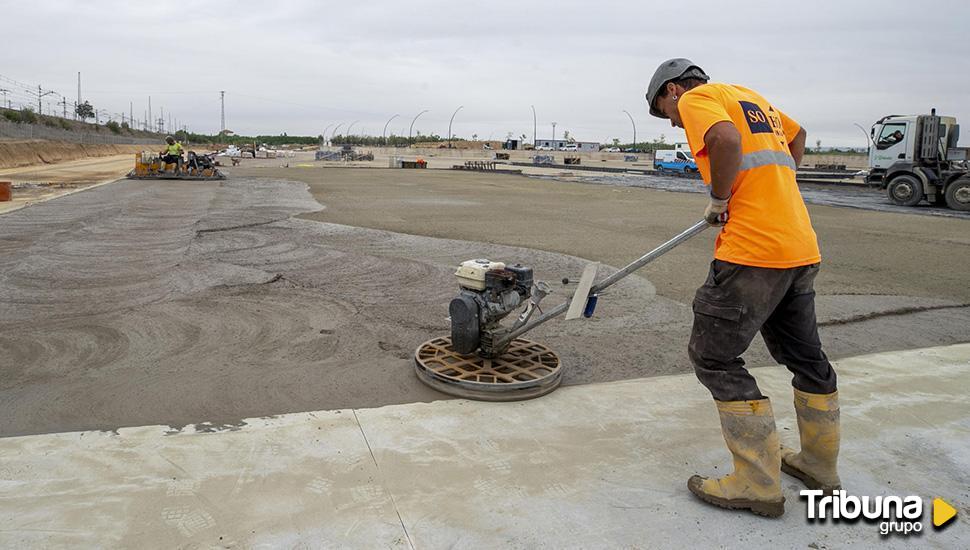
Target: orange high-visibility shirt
x=768, y=224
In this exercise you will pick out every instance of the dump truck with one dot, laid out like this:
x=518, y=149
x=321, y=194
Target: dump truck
x=916, y=158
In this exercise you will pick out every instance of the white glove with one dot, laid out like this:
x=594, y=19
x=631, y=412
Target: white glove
x=716, y=212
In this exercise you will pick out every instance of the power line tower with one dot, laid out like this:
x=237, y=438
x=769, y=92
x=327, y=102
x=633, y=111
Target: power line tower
x=63, y=103
x=40, y=96
x=222, y=102
x=4, y=91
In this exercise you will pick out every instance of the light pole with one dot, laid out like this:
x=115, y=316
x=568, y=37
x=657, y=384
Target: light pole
x=450, y=121
x=634, y=128
x=868, y=137
x=324, y=134
x=335, y=132
x=535, y=126
x=411, y=128
x=351, y=126
x=384, y=133
x=554, y=134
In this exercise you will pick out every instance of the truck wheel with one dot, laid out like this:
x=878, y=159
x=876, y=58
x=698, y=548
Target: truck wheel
x=958, y=195
x=905, y=190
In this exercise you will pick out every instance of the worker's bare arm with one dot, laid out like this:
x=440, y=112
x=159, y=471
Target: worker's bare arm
x=723, y=144
x=797, y=146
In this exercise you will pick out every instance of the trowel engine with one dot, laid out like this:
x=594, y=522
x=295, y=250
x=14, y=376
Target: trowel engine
x=489, y=292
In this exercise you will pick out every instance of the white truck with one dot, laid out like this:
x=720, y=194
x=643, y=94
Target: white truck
x=915, y=157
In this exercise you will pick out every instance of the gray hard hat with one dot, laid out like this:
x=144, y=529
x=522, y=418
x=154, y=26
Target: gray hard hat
x=672, y=69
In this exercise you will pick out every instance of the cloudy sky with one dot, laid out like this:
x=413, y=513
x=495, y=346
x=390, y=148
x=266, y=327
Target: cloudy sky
x=301, y=66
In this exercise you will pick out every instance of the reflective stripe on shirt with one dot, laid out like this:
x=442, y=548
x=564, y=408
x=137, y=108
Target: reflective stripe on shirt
x=767, y=157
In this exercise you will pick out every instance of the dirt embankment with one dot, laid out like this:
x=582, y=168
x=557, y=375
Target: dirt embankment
x=14, y=154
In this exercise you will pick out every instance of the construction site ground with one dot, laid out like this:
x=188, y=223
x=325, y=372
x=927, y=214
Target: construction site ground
x=38, y=183
x=299, y=286
x=592, y=466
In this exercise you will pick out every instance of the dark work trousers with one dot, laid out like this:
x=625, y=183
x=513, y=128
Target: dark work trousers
x=736, y=302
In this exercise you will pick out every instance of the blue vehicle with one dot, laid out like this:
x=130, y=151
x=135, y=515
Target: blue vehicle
x=674, y=161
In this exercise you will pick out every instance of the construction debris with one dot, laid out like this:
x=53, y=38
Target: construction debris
x=327, y=155
x=483, y=166
x=346, y=153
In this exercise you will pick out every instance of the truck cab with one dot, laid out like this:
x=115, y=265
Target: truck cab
x=674, y=160
x=916, y=158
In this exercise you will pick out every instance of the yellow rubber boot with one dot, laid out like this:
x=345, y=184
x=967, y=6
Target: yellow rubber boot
x=818, y=428
x=755, y=484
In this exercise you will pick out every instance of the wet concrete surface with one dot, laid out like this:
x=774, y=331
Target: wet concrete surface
x=849, y=196
x=183, y=302
x=143, y=302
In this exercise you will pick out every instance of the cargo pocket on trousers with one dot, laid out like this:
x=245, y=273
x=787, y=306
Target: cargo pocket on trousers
x=716, y=327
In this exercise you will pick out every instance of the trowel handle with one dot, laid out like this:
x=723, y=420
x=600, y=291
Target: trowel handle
x=609, y=281
x=651, y=256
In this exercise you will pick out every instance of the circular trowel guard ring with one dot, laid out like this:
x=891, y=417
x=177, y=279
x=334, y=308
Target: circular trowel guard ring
x=526, y=370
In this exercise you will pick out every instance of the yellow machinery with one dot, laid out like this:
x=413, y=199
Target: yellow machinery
x=149, y=165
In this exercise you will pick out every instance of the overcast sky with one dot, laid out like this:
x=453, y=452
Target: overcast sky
x=299, y=66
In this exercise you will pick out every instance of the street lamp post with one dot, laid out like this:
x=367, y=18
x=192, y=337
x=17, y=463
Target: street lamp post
x=384, y=133
x=449, y=124
x=535, y=126
x=351, y=126
x=554, y=134
x=411, y=128
x=868, y=137
x=634, y=128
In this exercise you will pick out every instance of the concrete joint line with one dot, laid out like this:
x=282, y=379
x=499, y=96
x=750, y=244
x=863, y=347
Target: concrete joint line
x=383, y=485
x=890, y=313
x=243, y=226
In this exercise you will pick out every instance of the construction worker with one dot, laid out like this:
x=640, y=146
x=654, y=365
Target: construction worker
x=172, y=153
x=765, y=262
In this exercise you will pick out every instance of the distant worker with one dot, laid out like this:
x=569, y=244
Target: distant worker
x=762, y=278
x=172, y=153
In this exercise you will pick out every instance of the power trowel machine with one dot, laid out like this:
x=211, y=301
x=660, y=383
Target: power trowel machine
x=484, y=358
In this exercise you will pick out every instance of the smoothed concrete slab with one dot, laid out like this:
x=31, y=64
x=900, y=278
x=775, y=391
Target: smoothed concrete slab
x=596, y=466
x=302, y=479
x=606, y=465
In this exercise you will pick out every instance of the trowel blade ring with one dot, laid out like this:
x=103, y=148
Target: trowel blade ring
x=527, y=370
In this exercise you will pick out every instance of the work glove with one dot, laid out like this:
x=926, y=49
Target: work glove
x=716, y=212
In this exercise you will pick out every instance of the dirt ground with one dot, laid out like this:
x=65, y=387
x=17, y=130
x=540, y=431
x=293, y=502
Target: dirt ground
x=182, y=302
x=27, y=153
x=44, y=182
